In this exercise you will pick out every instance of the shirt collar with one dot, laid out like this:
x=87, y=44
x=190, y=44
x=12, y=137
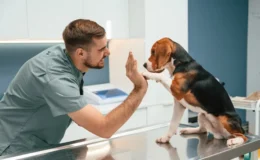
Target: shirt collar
x=75, y=70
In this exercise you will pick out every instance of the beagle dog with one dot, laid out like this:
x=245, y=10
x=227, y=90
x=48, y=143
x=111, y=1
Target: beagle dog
x=196, y=89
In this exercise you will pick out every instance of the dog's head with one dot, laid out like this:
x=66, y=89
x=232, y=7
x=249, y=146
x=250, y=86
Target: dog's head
x=166, y=53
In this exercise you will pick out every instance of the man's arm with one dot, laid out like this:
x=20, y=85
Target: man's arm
x=105, y=126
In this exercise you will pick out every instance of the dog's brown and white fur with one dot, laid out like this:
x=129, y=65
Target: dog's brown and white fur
x=196, y=89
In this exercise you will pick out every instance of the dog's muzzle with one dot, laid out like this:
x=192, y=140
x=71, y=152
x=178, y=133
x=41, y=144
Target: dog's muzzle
x=145, y=65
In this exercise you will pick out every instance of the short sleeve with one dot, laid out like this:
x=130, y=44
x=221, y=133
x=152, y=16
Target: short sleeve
x=62, y=96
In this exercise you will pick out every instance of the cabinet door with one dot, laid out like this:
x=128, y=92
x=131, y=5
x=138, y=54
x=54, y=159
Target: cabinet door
x=75, y=132
x=103, y=11
x=13, y=21
x=47, y=18
x=138, y=119
x=163, y=114
x=159, y=114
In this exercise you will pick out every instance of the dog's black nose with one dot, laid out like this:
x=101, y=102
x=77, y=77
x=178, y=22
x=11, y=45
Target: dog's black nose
x=145, y=65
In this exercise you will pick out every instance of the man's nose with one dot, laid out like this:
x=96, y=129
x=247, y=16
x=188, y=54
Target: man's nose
x=145, y=65
x=108, y=52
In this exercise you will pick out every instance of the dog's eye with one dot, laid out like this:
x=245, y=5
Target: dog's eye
x=153, y=52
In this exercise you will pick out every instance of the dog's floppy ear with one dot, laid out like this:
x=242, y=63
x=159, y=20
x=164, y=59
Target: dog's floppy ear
x=153, y=48
x=181, y=54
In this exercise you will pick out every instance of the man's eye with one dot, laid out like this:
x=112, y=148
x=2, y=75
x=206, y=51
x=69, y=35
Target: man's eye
x=102, y=49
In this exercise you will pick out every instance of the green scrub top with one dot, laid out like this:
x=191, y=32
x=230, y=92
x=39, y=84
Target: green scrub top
x=33, y=110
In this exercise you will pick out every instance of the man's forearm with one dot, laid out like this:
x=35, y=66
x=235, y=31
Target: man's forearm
x=118, y=116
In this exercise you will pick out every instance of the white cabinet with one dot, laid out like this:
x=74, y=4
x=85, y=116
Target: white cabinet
x=13, y=20
x=163, y=113
x=47, y=18
x=75, y=132
x=159, y=114
x=138, y=119
x=142, y=117
x=103, y=11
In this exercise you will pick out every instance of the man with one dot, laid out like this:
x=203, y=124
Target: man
x=46, y=94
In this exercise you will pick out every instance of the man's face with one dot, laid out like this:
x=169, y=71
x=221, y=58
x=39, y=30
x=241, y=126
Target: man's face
x=98, y=51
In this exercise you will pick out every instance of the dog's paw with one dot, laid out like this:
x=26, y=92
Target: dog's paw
x=163, y=139
x=148, y=75
x=235, y=141
x=152, y=76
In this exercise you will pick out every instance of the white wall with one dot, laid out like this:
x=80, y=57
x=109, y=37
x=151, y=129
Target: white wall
x=13, y=20
x=253, y=47
x=165, y=18
x=153, y=20
x=115, y=11
x=253, y=55
x=136, y=15
x=46, y=19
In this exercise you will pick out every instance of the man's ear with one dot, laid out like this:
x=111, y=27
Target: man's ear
x=79, y=52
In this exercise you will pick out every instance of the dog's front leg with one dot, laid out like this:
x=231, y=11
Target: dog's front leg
x=178, y=111
x=159, y=77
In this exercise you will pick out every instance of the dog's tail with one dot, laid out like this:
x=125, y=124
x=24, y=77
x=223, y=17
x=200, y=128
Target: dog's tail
x=222, y=83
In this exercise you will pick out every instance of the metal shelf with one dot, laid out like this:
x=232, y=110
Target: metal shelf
x=243, y=103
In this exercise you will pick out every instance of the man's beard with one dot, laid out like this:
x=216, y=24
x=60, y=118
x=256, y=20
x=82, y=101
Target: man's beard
x=89, y=65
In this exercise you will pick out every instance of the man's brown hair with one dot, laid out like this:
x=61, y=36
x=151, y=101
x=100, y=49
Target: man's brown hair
x=79, y=34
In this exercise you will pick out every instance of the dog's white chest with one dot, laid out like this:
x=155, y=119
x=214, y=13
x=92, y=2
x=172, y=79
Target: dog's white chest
x=191, y=107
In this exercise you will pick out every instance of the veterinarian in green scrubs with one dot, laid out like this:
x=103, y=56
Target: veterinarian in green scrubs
x=46, y=94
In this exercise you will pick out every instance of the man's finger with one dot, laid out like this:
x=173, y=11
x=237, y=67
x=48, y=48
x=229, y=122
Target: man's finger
x=128, y=61
x=131, y=60
x=135, y=65
x=130, y=56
